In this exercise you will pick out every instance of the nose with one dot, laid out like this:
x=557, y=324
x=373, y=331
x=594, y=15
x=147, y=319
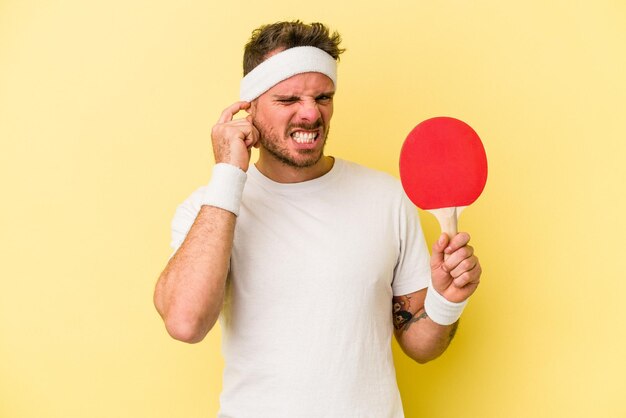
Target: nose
x=309, y=111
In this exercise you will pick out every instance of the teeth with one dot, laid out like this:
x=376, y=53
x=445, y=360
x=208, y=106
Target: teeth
x=304, y=137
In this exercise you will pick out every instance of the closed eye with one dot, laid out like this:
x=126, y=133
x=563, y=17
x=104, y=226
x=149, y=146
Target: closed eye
x=288, y=100
x=324, y=98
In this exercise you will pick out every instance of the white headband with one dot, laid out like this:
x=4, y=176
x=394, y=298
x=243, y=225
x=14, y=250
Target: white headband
x=285, y=64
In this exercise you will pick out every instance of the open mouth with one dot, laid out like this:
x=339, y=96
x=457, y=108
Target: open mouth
x=303, y=137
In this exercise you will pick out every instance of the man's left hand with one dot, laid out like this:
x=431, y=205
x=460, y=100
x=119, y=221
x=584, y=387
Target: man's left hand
x=455, y=269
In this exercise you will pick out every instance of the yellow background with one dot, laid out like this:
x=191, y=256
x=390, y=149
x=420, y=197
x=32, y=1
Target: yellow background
x=105, y=114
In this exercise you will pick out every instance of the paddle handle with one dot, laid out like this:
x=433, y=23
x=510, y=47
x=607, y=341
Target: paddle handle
x=448, y=220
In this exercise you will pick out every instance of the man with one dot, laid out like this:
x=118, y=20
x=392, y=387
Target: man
x=314, y=262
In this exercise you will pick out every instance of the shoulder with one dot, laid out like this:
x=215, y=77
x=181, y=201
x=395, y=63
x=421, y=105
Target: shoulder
x=193, y=201
x=187, y=211
x=185, y=215
x=374, y=180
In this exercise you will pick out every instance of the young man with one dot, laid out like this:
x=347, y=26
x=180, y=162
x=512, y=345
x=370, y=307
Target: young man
x=315, y=261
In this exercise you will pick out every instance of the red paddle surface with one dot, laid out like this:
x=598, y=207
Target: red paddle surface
x=443, y=164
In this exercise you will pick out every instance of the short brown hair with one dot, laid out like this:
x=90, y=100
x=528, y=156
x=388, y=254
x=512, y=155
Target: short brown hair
x=285, y=35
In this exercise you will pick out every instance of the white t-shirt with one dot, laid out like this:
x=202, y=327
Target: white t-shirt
x=307, y=321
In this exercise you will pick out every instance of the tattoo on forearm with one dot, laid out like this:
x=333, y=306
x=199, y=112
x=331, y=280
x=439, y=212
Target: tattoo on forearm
x=407, y=320
x=402, y=315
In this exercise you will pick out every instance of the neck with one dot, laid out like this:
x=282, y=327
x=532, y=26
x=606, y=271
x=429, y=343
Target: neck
x=280, y=172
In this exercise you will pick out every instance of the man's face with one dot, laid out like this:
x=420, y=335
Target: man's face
x=293, y=118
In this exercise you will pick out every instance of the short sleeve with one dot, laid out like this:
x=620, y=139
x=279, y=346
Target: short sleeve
x=412, y=271
x=185, y=216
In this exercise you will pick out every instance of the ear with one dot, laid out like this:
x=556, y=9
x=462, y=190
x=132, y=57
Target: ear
x=252, y=109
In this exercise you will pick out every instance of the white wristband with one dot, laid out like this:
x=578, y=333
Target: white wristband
x=225, y=188
x=440, y=309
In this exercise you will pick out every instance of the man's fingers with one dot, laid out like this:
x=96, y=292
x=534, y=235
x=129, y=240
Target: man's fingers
x=459, y=240
x=252, y=134
x=232, y=110
x=436, y=258
x=463, y=266
x=232, y=139
x=454, y=260
x=249, y=142
x=471, y=277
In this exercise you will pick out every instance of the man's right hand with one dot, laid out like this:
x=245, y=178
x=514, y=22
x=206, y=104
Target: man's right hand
x=233, y=139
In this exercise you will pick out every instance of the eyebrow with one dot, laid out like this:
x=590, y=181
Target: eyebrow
x=285, y=97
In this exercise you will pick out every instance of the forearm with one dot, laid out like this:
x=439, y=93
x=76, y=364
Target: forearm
x=427, y=320
x=419, y=336
x=424, y=340
x=190, y=292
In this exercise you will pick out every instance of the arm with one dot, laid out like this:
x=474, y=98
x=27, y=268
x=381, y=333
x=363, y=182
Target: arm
x=189, y=293
x=420, y=338
x=454, y=278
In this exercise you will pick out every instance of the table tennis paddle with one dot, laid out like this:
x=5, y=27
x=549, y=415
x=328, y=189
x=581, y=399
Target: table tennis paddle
x=443, y=168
